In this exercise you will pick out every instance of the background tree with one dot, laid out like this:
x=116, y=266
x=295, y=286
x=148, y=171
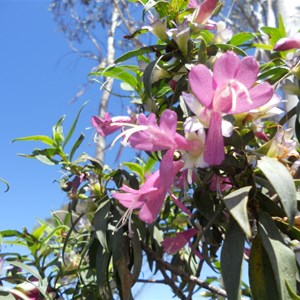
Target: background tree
x=94, y=30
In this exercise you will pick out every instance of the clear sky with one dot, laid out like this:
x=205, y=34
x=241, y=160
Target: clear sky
x=38, y=78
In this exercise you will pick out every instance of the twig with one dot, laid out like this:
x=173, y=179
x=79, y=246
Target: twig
x=191, y=278
x=177, y=291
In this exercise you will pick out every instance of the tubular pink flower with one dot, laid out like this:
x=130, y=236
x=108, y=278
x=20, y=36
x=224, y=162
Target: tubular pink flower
x=287, y=43
x=204, y=10
x=150, y=197
x=108, y=125
x=173, y=244
x=229, y=89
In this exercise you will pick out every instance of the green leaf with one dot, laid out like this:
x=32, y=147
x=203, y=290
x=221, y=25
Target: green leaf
x=101, y=222
x=281, y=257
x=134, y=167
x=57, y=131
x=231, y=260
x=274, y=34
x=147, y=77
x=240, y=38
x=273, y=74
x=102, y=270
x=261, y=276
x=38, y=233
x=45, y=156
x=226, y=47
x=137, y=256
x=282, y=181
x=36, y=138
x=76, y=145
x=5, y=293
x=140, y=51
x=236, y=203
x=293, y=295
x=72, y=129
x=6, y=183
x=27, y=268
x=121, y=73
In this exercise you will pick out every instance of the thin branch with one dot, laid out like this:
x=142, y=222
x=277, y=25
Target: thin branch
x=161, y=281
x=191, y=278
x=177, y=291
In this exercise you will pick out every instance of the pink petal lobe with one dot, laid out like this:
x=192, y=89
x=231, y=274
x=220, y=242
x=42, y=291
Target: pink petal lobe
x=173, y=244
x=287, y=44
x=168, y=122
x=152, y=206
x=261, y=94
x=206, y=10
x=226, y=67
x=201, y=83
x=214, y=147
x=193, y=4
x=166, y=170
x=247, y=72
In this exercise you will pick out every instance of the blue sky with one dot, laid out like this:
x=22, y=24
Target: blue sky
x=39, y=76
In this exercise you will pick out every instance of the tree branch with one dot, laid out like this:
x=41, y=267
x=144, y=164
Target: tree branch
x=191, y=278
x=100, y=146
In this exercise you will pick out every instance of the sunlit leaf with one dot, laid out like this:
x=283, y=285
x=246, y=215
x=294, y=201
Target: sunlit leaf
x=282, y=182
x=72, y=129
x=236, y=203
x=140, y=51
x=36, y=138
x=240, y=38
x=57, y=131
x=281, y=257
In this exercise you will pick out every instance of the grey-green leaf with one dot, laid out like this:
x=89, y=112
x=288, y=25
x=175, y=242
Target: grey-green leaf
x=281, y=257
x=236, y=203
x=231, y=260
x=282, y=182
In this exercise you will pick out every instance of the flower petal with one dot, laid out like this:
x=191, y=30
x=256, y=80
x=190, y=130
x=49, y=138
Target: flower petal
x=247, y=71
x=201, y=83
x=206, y=10
x=225, y=68
x=287, y=44
x=152, y=206
x=214, y=147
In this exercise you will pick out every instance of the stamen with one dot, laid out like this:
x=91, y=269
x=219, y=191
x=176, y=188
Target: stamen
x=127, y=133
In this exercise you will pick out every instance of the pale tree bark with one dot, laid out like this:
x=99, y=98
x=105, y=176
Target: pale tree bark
x=107, y=86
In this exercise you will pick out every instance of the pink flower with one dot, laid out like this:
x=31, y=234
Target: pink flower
x=203, y=10
x=108, y=125
x=230, y=89
x=287, y=43
x=154, y=137
x=173, y=244
x=150, y=197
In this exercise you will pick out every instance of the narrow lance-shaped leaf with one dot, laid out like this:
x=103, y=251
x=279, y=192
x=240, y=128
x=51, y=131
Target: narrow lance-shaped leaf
x=140, y=51
x=281, y=257
x=236, y=203
x=261, y=276
x=36, y=138
x=71, y=131
x=76, y=145
x=6, y=183
x=282, y=182
x=231, y=260
x=57, y=131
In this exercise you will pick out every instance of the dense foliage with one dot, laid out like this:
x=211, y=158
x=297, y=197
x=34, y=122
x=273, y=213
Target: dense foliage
x=214, y=181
